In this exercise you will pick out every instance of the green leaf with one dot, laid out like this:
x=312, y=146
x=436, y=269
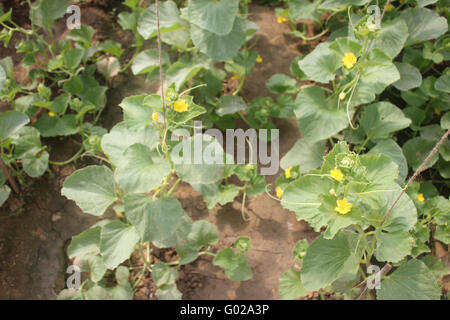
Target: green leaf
x=411, y=281
x=341, y=46
x=380, y=119
x=11, y=122
x=163, y=274
x=416, y=150
x=392, y=37
x=203, y=233
x=216, y=16
x=443, y=83
x=321, y=64
x=95, y=266
x=2, y=77
x=299, y=9
x=391, y=149
x=169, y=19
x=317, y=117
x=48, y=11
x=168, y=292
x=124, y=135
x=423, y=24
x=72, y=58
x=445, y=121
x=308, y=155
x=219, y=47
x=135, y=111
x=229, y=104
x=394, y=246
x=84, y=34
x=410, y=77
x=379, y=72
x=117, y=241
x=87, y=242
x=161, y=221
x=147, y=61
x=436, y=266
x=4, y=194
x=300, y=249
x=243, y=244
x=141, y=170
x=281, y=83
x=235, y=265
x=57, y=126
x=109, y=67
x=327, y=260
x=185, y=156
x=92, y=188
x=35, y=165
x=291, y=286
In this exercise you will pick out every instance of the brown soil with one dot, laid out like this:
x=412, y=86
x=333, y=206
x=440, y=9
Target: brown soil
x=37, y=225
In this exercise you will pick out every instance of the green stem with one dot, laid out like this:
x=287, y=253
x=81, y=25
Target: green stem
x=62, y=163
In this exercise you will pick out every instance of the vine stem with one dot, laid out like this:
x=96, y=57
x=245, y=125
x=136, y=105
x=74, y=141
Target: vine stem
x=418, y=171
x=161, y=75
x=8, y=176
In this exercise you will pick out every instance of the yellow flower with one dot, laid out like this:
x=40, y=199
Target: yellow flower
x=437, y=111
x=420, y=197
x=279, y=192
x=180, y=106
x=337, y=174
x=343, y=206
x=287, y=173
x=349, y=60
x=342, y=95
x=235, y=77
x=119, y=214
x=51, y=114
x=389, y=8
x=446, y=224
x=259, y=59
x=281, y=19
x=155, y=116
x=168, y=99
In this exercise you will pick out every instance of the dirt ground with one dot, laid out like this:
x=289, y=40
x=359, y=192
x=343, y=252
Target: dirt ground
x=37, y=225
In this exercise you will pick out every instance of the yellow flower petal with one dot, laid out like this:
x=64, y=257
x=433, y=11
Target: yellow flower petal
x=155, y=116
x=235, y=77
x=119, y=214
x=343, y=206
x=180, y=106
x=437, y=111
x=337, y=174
x=51, y=114
x=287, y=173
x=279, y=192
x=281, y=19
x=259, y=59
x=349, y=60
x=420, y=197
x=389, y=8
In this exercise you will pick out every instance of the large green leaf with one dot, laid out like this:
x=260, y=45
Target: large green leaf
x=321, y=64
x=169, y=19
x=380, y=119
x=124, y=135
x=443, y=83
x=299, y=9
x=87, y=242
x=327, y=260
x=163, y=274
x=411, y=281
x=169, y=292
x=117, y=241
x=291, y=286
x=148, y=60
x=161, y=221
x=190, y=160
x=417, y=149
x=136, y=112
x=11, y=122
x=410, y=77
x=216, y=16
x=281, y=83
x=219, y=47
x=392, y=37
x=393, y=246
x=391, y=149
x=379, y=72
x=48, y=11
x=141, y=170
x=423, y=24
x=229, y=104
x=308, y=155
x=317, y=117
x=57, y=126
x=92, y=188
x=235, y=265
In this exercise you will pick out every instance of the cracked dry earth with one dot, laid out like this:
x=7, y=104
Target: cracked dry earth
x=36, y=226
